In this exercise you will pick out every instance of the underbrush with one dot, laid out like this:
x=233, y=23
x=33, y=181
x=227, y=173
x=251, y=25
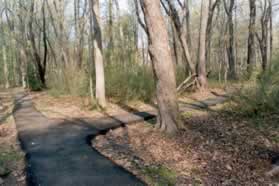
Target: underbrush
x=8, y=158
x=70, y=81
x=134, y=82
x=125, y=82
x=160, y=176
x=258, y=101
x=33, y=80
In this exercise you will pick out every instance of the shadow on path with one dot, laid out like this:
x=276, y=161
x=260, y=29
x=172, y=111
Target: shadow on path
x=59, y=151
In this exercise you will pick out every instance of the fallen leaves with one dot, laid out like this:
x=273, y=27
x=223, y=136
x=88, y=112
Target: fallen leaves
x=12, y=163
x=214, y=149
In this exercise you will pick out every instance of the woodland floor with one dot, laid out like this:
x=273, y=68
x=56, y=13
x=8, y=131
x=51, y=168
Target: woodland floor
x=12, y=163
x=215, y=148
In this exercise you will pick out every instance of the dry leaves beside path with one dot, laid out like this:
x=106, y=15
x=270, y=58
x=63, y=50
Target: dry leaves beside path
x=12, y=163
x=214, y=149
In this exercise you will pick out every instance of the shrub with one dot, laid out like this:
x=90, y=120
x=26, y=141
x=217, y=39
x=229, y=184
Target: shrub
x=134, y=82
x=261, y=96
x=70, y=80
x=34, y=82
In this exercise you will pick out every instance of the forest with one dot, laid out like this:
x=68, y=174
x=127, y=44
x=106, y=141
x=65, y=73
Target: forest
x=176, y=92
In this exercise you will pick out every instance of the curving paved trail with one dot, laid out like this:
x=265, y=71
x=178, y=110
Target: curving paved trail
x=59, y=154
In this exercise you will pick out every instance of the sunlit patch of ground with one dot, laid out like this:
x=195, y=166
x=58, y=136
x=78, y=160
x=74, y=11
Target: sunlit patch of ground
x=80, y=107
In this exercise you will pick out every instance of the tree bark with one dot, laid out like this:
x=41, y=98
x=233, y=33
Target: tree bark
x=202, y=75
x=110, y=29
x=230, y=48
x=251, y=58
x=98, y=54
x=79, y=30
x=41, y=67
x=59, y=30
x=187, y=24
x=44, y=43
x=265, y=38
x=163, y=67
x=23, y=68
x=182, y=33
x=213, y=4
x=271, y=31
x=6, y=69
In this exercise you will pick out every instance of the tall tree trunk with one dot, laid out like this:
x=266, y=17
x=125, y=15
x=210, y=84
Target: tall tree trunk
x=231, y=46
x=202, y=78
x=251, y=58
x=23, y=68
x=98, y=54
x=162, y=65
x=60, y=31
x=41, y=68
x=187, y=24
x=79, y=27
x=265, y=38
x=271, y=31
x=6, y=68
x=24, y=52
x=110, y=29
x=182, y=33
x=174, y=42
x=212, y=7
x=44, y=42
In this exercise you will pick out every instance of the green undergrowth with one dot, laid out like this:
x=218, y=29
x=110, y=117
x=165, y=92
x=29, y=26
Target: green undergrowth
x=69, y=81
x=130, y=83
x=160, y=176
x=8, y=160
x=258, y=101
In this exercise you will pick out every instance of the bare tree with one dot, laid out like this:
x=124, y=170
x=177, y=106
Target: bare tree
x=162, y=65
x=40, y=64
x=98, y=53
x=251, y=58
x=6, y=70
x=202, y=75
x=187, y=22
x=80, y=22
x=229, y=7
x=56, y=15
x=22, y=41
x=213, y=4
x=110, y=28
x=182, y=33
x=265, y=38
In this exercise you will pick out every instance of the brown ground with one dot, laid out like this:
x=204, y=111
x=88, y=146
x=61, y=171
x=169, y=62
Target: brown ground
x=194, y=96
x=78, y=107
x=12, y=163
x=215, y=149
